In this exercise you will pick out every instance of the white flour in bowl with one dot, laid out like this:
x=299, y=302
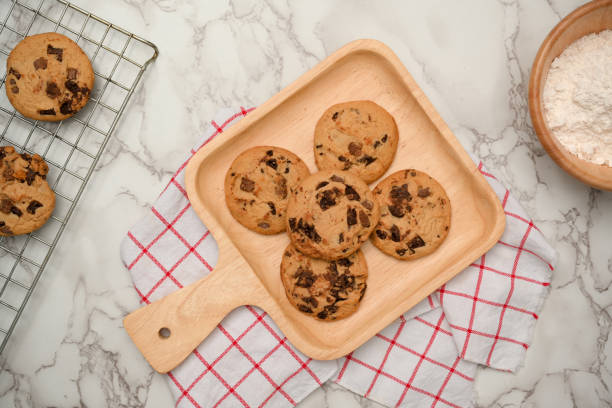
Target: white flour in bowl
x=578, y=98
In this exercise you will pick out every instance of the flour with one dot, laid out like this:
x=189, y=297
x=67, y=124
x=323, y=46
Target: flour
x=578, y=98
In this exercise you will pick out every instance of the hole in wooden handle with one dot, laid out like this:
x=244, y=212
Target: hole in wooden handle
x=164, y=333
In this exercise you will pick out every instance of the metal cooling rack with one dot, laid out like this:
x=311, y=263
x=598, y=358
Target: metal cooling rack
x=72, y=147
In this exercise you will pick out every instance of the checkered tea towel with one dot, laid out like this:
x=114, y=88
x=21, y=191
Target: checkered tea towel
x=427, y=357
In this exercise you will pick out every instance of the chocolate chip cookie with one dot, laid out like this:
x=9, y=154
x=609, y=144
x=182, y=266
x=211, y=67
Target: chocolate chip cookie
x=415, y=215
x=330, y=214
x=326, y=290
x=258, y=185
x=48, y=77
x=26, y=200
x=359, y=136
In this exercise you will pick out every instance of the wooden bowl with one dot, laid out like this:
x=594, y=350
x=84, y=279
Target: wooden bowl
x=593, y=17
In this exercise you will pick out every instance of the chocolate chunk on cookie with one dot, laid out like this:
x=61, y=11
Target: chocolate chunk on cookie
x=330, y=214
x=360, y=137
x=50, y=78
x=257, y=186
x=325, y=290
x=415, y=215
x=26, y=200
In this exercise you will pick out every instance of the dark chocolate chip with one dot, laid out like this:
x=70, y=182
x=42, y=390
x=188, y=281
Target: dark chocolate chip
x=286, y=170
x=66, y=107
x=327, y=199
x=355, y=148
x=367, y=204
x=281, y=188
x=292, y=224
x=53, y=90
x=351, y=217
x=366, y=159
x=247, y=185
x=304, y=308
x=322, y=314
x=30, y=176
x=14, y=72
x=72, y=87
x=416, y=242
x=319, y=146
x=269, y=152
x=33, y=206
x=272, y=207
x=40, y=63
x=400, y=252
x=58, y=52
x=47, y=111
x=399, y=193
x=376, y=144
x=71, y=73
x=337, y=179
x=364, y=220
x=381, y=234
x=305, y=277
x=16, y=211
x=311, y=300
x=351, y=194
x=322, y=184
x=15, y=89
x=272, y=163
x=335, y=116
x=423, y=192
x=5, y=205
x=384, y=139
x=341, y=238
x=396, y=211
x=308, y=230
x=342, y=158
x=263, y=225
x=395, y=233
x=344, y=262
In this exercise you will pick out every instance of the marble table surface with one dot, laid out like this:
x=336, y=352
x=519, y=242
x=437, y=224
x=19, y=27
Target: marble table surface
x=471, y=58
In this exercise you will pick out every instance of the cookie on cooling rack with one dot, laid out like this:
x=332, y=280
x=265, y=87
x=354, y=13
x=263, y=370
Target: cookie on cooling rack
x=359, y=136
x=26, y=200
x=330, y=214
x=258, y=184
x=326, y=290
x=48, y=77
x=415, y=215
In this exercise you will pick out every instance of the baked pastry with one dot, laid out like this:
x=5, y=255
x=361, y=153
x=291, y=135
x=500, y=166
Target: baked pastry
x=48, y=77
x=330, y=214
x=415, y=215
x=358, y=136
x=258, y=184
x=26, y=200
x=327, y=290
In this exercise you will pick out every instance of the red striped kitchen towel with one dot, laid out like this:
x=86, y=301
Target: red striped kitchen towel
x=428, y=356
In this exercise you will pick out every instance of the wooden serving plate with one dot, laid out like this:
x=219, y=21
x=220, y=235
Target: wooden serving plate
x=593, y=17
x=247, y=271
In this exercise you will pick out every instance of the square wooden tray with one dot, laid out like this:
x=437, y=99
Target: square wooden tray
x=248, y=268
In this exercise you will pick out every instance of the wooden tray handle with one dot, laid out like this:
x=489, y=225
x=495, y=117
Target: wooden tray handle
x=168, y=330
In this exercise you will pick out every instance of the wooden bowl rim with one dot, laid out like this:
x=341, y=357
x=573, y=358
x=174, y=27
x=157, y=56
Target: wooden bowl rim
x=583, y=170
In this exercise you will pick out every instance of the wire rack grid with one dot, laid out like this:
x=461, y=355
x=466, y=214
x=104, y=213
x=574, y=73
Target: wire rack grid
x=72, y=147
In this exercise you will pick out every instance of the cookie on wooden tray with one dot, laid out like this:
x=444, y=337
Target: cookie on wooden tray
x=326, y=290
x=48, y=77
x=330, y=214
x=415, y=215
x=258, y=185
x=359, y=136
x=26, y=200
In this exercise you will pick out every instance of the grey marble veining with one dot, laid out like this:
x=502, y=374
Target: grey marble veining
x=472, y=59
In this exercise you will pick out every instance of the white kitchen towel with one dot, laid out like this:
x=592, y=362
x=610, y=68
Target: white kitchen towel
x=429, y=355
